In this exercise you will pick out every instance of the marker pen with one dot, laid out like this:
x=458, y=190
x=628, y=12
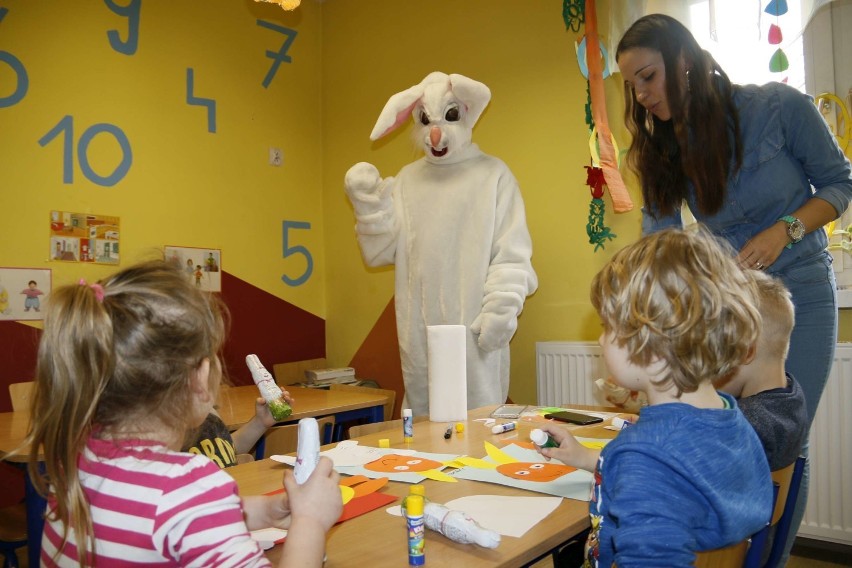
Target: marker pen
x=500, y=428
x=448, y=434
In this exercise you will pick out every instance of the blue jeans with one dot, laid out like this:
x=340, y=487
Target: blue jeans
x=812, y=285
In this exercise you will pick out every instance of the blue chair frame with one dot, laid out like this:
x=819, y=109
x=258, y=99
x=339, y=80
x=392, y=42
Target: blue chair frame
x=783, y=526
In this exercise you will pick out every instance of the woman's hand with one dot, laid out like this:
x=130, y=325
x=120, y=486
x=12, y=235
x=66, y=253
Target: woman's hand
x=763, y=249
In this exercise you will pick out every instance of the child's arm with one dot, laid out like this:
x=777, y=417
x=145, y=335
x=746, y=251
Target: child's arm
x=247, y=435
x=316, y=505
x=570, y=451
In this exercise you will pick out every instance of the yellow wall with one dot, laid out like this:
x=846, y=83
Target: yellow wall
x=186, y=186
x=535, y=123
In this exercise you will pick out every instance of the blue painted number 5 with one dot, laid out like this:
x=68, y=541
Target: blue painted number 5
x=297, y=249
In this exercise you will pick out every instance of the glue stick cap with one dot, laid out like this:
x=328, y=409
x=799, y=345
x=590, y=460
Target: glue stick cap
x=417, y=489
x=414, y=505
x=406, y=413
x=538, y=437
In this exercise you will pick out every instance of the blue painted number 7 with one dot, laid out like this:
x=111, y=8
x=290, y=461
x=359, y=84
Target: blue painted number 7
x=296, y=249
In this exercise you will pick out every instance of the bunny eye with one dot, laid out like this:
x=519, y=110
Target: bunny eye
x=452, y=114
x=424, y=118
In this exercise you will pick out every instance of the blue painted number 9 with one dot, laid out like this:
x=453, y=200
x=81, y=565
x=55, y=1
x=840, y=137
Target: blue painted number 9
x=297, y=249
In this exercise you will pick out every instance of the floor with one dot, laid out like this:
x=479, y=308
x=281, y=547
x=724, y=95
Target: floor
x=806, y=554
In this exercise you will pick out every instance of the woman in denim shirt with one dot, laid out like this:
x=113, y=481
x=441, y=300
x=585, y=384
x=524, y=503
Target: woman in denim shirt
x=757, y=165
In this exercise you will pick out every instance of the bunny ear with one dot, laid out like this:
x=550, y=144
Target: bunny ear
x=399, y=107
x=473, y=94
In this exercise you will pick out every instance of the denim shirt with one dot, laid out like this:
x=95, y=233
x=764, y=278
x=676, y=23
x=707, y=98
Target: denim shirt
x=789, y=156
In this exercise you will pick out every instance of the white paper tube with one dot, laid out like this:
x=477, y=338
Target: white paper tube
x=446, y=356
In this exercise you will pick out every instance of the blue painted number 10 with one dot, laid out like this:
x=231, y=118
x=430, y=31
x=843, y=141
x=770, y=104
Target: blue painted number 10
x=67, y=125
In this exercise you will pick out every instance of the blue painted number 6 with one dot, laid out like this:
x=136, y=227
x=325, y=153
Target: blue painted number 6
x=297, y=249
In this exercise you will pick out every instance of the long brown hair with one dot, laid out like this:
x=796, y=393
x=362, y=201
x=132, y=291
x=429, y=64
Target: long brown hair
x=698, y=143
x=115, y=356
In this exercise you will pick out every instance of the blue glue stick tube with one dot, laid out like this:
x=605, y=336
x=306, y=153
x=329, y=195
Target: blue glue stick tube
x=416, y=530
x=621, y=423
x=500, y=428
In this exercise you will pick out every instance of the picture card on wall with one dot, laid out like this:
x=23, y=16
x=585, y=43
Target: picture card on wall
x=23, y=292
x=84, y=237
x=203, y=266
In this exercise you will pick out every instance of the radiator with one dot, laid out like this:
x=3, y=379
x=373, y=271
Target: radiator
x=565, y=374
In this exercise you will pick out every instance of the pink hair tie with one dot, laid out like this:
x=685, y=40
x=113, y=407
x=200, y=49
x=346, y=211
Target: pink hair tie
x=96, y=288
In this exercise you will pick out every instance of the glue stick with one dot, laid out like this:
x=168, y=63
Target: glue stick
x=500, y=428
x=407, y=425
x=542, y=439
x=416, y=530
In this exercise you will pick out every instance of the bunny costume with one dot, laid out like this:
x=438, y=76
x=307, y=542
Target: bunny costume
x=454, y=225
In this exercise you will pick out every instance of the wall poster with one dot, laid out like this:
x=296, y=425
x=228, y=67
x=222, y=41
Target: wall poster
x=203, y=266
x=81, y=237
x=23, y=292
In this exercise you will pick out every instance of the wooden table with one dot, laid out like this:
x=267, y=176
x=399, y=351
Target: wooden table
x=377, y=539
x=236, y=404
x=236, y=408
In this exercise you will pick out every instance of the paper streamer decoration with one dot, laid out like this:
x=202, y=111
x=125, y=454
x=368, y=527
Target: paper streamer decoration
x=621, y=201
x=446, y=348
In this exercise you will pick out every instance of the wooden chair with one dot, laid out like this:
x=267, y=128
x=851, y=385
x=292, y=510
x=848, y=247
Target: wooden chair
x=21, y=395
x=244, y=458
x=284, y=439
x=294, y=372
x=364, y=429
x=13, y=518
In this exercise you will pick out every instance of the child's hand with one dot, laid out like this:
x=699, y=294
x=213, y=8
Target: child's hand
x=262, y=413
x=570, y=451
x=318, y=499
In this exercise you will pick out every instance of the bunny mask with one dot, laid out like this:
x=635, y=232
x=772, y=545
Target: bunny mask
x=444, y=109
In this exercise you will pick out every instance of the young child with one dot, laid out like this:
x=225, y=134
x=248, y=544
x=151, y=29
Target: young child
x=215, y=441
x=126, y=369
x=691, y=474
x=770, y=398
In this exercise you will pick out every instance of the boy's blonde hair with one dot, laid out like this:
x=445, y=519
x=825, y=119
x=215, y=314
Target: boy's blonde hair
x=113, y=357
x=778, y=316
x=679, y=297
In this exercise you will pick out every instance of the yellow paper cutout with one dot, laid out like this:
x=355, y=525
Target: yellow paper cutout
x=497, y=454
x=438, y=476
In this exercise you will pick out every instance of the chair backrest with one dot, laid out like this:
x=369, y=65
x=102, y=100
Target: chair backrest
x=244, y=458
x=280, y=440
x=21, y=393
x=364, y=429
x=294, y=372
x=389, y=394
x=782, y=528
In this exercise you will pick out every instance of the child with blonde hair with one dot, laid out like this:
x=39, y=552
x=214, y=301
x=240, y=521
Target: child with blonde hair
x=690, y=475
x=127, y=368
x=769, y=397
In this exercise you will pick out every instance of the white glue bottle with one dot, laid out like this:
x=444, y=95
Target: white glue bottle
x=308, y=450
x=269, y=390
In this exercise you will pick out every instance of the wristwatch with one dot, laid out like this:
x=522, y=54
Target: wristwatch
x=795, y=229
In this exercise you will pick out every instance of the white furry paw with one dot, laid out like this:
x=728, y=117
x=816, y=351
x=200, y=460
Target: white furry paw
x=361, y=181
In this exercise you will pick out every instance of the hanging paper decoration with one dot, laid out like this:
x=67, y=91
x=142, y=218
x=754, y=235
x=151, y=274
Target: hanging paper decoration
x=778, y=63
x=596, y=230
x=573, y=14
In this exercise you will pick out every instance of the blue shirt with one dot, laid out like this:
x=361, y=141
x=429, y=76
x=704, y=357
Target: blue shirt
x=682, y=479
x=789, y=156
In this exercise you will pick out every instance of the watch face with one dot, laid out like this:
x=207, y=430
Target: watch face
x=796, y=230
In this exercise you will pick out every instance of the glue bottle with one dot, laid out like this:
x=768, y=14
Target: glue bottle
x=416, y=530
x=407, y=425
x=542, y=439
x=269, y=390
x=308, y=450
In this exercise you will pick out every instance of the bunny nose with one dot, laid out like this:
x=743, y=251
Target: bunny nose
x=435, y=136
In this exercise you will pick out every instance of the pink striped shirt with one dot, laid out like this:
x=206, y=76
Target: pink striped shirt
x=154, y=507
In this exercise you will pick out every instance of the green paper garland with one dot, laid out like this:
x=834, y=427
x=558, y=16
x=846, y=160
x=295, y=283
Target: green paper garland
x=598, y=233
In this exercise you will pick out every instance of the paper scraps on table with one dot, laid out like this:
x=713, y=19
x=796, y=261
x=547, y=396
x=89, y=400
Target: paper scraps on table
x=267, y=538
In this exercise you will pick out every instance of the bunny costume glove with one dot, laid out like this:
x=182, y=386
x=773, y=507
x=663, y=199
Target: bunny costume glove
x=454, y=225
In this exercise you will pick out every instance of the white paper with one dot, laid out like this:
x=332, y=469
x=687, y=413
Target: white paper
x=447, y=370
x=347, y=453
x=267, y=537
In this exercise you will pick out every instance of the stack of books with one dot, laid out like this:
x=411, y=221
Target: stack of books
x=317, y=377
